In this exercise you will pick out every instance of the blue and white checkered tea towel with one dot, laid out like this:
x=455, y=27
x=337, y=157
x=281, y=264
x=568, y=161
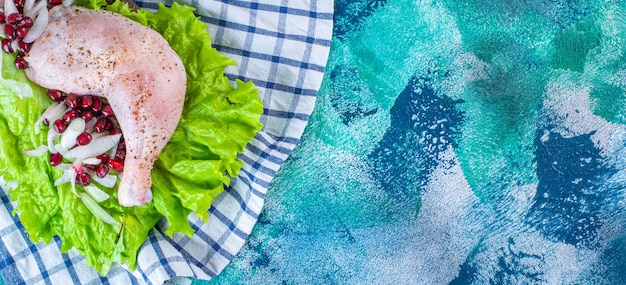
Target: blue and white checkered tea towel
x=281, y=46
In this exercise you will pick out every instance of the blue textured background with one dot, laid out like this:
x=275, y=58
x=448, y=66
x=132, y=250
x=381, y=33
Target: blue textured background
x=456, y=142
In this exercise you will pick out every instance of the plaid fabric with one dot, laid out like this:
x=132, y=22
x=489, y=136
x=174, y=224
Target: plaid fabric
x=281, y=47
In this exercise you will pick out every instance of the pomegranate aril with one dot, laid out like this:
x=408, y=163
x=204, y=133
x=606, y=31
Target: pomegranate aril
x=106, y=110
x=55, y=2
x=9, y=31
x=96, y=105
x=14, y=18
x=3, y=18
x=120, y=154
x=115, y=131
x=56, y=95
x=26, y=22
x=6, y=45
x=20, y=63
x=117, y=164
x=56, y=159
x=102, y=125
x=83, y=139
x=102, y=170
x=24, y=46
x=70, y=115
x=104, y=158
x=121, y=144
x=71, y=101
x=109, y=125
x=91, y=167
x=85, y=102
x=19, y=4
x=83, y=178
x=20, y=32
x=87, y=115
x=59, y=126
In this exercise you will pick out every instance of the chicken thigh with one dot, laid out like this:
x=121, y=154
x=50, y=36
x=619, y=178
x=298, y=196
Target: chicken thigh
x=105, y=54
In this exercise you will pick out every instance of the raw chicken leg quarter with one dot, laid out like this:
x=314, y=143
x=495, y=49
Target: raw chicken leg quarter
x=102, y=53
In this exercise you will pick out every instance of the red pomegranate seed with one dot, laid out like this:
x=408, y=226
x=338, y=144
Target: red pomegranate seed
x=91, y=167
x=26, y=22
x=6, y=45
x=83, y=139
x=9, y=31
x=71, y=100
x=20, y=32
x=3, y=18
x=117, y=165
x=56, y=159
x=56, y=95
x=121, y=144
x=102, y=170
x=20, y=63
x=102, y=124
x=19, y=4
x=59, y=126
x=83, y=178
x=109, y=125
x=14, y=18
x=55, y=2
x=104, y=158
x=24, y=46
x=70, y=115
x=115, y=131
x=120, y=154
x=96, y=105
x=85, y=102
x=106, y=110
x=87, y=115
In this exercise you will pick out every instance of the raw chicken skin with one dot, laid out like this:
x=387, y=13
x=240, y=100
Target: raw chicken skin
x=102, y=53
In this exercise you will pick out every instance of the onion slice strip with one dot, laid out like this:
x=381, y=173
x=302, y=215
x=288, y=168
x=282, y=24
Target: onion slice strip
x=41, y=150
x=9, y=7
x=98, y=211
x=95, y=193
x=38, y=27
x=96, y=147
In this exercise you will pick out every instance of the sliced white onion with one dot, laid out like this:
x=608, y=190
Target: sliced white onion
x=28, y=5
x=67, y=175
x=52, y=135
x=76, y=127
x=63, y=167
x=74, y=174
x=112, y=151
x=2, y=33
x=95, y=193
x=107, y=181
x=89, y=127
x=15, y=44
x=34, y=10
x=9, y=7
x=54, y=108
x=42, y=149
x=38, y=27
x=98, y=211
x=67, y=2
x=96, y=147
x=92, y=161
x=64, y=151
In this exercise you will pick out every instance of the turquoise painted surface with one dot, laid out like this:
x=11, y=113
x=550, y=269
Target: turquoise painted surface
x=456, y=142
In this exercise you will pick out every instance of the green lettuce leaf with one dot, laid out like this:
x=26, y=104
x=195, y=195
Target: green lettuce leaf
x=218, y=120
